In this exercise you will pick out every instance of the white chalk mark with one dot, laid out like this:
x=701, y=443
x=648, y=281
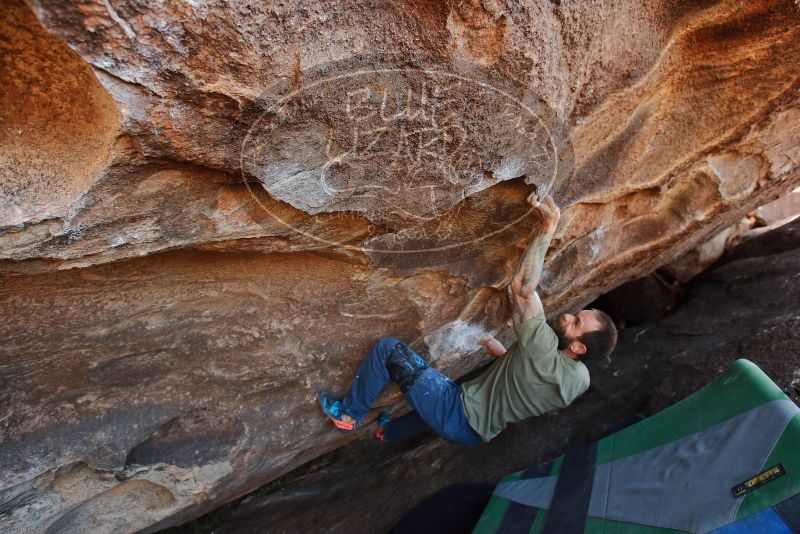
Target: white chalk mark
x=455, y=339
x=119, y=20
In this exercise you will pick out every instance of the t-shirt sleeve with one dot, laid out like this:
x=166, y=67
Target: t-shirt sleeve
x=537, y=339
x=579, y=385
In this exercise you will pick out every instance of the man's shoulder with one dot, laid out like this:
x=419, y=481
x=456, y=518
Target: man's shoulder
x=583, y=371
x=531, y=323
x=577, y=376
x=536, y=334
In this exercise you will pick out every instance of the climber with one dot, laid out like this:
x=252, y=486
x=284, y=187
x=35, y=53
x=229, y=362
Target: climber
x=542, y=371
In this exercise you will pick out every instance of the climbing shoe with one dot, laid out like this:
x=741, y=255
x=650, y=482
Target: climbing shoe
x=383, y=422
x=332, y=408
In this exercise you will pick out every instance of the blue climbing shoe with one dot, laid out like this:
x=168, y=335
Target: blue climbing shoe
x=332, y=408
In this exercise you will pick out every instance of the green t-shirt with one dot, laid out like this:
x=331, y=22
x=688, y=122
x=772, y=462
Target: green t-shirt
x=532, y=378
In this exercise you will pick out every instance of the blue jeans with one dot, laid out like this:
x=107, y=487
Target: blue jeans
x=435, y=398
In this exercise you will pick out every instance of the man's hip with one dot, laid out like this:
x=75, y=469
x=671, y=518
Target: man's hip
x=435, y=397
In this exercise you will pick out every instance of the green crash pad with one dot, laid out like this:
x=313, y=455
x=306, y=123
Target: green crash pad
x=724, y=460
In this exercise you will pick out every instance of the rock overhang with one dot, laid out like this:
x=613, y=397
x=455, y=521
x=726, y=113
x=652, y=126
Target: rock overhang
x=672, y=121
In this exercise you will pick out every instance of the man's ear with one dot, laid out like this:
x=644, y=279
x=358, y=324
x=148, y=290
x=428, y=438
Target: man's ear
x=577, y=348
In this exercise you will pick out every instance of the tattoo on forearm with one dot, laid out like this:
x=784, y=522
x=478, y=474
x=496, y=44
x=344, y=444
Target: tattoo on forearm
x=530, y=266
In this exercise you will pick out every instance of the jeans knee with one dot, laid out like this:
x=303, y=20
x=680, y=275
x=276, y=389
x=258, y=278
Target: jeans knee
x=404, y=366
x=387, y=343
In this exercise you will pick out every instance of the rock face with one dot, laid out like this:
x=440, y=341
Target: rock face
x=210, y=210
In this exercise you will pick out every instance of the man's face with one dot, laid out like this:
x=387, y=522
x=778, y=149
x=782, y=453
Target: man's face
x=569, y=327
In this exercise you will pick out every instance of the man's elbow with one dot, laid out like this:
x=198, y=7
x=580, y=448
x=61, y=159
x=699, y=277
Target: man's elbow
x=526, y=290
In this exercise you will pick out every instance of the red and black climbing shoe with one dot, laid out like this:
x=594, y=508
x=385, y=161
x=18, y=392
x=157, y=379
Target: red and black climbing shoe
x=383, y=422
x=332, y=408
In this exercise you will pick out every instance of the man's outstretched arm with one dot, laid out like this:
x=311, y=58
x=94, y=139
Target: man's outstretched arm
x=525, y=302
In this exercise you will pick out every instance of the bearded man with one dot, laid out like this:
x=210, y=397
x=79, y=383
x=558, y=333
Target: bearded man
x=542, y=371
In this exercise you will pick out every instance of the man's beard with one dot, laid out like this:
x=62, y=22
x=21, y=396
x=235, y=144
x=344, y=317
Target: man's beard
x=563, y=340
